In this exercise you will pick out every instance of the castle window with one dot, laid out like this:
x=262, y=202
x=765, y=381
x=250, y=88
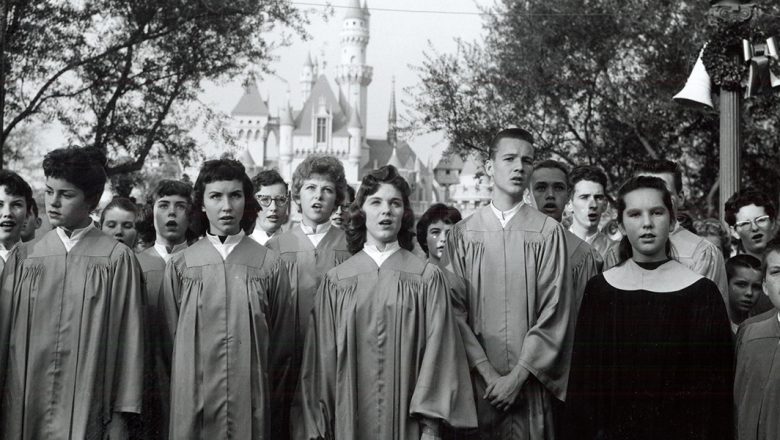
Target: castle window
x=321, y=130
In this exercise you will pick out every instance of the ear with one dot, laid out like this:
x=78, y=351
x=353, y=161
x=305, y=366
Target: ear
x=621, y=229
x=38, y=222
x=733, y=233
x=489, y=168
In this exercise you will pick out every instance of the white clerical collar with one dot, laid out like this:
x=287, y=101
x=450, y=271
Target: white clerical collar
x=162, y=249
x=317, y=233
x=5, y=251
x=260, y=236
x=505, y=216
x=75, y=236
x=227, y=247
x=380, y=256
x=590, y=238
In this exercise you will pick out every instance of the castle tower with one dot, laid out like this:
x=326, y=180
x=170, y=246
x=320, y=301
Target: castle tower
x=352, y=74
x=355, y=130
x=249, y=120
x=308, y=77
x=286, y=127
x=392, y=119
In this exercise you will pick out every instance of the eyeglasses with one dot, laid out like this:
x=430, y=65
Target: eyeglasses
x=265, y=201
x=760, y=222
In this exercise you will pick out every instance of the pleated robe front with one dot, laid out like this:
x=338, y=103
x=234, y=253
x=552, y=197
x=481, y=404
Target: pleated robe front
x=72, y=338
x=231, y=324
x=516, y=309
x=383, y=351
x=584, y=262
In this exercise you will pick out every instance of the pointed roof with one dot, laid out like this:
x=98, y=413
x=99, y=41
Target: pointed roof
x=354, y=10
x=394, y=161
x=354, y=120
x=251, y=104
x=450, y=162
x=320, y=90
x=308, y=62
x=391, y=115
x=246, y=159
x=286, y=116
x=365, y=8
x=380, y=150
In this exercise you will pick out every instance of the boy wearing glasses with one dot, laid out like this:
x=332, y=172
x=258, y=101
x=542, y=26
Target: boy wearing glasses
x=272, y=193
x=313, y=247
x=751, y=217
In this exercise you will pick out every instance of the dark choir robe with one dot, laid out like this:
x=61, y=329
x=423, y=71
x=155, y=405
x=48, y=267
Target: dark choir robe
x=695, y=253
x=383, y=351
x=757, y=382
x=157, y=348
x=652, y=358
x=72, y=338
x=231, y=324
x=516, y=309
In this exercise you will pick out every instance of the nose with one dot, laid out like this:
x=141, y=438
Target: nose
x=55, y=201
x=549, y=193
x=592, y=203
x=646, y=221
x=442, y=240
x=5, y=210
x=226, y=206
x=753, y=226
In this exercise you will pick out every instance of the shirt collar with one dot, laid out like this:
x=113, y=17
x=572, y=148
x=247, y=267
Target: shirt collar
x=380, y=256
x=317, y=229
x=505, y=216
x=75, y=236
x=5, y=252
x=162, y=249
x=227, y=247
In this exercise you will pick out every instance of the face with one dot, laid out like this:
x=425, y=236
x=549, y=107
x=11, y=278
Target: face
x=223, y=203
x=772, y=278
x=384, y=212
x=32, y=223
x=668, y=178
x=13, y=214
x=550, y=191
x=120, y=224
x=318, y=199
x=754, y=228
x=66, y=205
x=744, y=288
x=588, y=201
x=436, y=238
x=341, y=214
x=170, y=218
x=646, y=222
x=273, y=216
x=511, y=167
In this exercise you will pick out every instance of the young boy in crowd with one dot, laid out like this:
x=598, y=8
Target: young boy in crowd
x=32, y=224
x=71, y=310
x=757, y=381
x=15, y=207
x=744, y=274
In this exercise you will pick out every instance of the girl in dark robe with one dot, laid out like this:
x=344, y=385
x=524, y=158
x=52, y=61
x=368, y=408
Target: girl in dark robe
x=383, y=358
x=653, y=352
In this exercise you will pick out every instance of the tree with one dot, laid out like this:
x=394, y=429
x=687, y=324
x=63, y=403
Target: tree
x=125, y=75
x=593, y=80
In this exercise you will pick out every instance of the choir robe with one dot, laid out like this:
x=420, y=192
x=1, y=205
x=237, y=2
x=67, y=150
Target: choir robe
x=601, y=243
x=231, y=324
x=757, y=382
x=73, y=343
x=653, y=358
x=584, y=262
x=382, y=351
x=516, y=308
x=695, y=253
x=157, y=348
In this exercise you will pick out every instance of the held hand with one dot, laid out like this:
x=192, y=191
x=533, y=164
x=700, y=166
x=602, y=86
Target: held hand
x=429, y=436
x=488, y=373
x=503, y=392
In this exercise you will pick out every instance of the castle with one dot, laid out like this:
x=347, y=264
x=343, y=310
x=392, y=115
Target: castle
x=329, y=122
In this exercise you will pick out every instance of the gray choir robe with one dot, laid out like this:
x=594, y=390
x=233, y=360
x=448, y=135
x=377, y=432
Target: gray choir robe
x=516, y=309
x=71, y=334
x=584, y=263
x=382, y=351
x=231, y=324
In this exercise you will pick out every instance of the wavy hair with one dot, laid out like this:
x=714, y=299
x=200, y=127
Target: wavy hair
x=216, y=171
x=85, y=168
x=322, y=164
x=356, y=227
x=437, y=212
x=625, y=250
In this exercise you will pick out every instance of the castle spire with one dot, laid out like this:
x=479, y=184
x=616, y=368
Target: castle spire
x=392, y=118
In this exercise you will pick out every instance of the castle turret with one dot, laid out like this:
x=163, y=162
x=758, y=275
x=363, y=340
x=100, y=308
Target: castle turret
x=308, y=76
x=355, y=130
x=392, y=119
x=286, y=127
x=352, y=74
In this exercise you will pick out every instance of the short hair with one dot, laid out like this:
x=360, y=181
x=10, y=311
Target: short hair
x=437, y=212
x=745, y=198
x=713, y=226
x=34, y=207
x=216, y=171
x=549, y=163
x=84, y=167
x=772, y=246
x=661, y=166
x=587, y=172
x=356, y=227
x=267, y=178
x=625, y=250
x=145, y=224
x=325, y=165
x=15, y=185
x=510, y=133
x=742, y=260
x=124, y=204
x=351, y=193
x=169, y=187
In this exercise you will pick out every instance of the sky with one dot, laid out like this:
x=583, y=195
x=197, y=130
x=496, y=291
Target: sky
x=400, y=32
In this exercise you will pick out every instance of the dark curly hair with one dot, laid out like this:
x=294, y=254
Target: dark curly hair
x=356, y=227
x=166, y=187
x=325, y=165
x=745, y=198
x=437, y=212
x=216, y=171
x=625, y=250
x=16, y=186
x=85, y=168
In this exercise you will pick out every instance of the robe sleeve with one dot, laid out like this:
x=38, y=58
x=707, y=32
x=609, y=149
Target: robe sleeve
x=281, y=323
x=546, y=350
x=456, y=252
x=317, y=386
x=126, y=330
x=443, y=388
x=7, y=306
x=587, y=268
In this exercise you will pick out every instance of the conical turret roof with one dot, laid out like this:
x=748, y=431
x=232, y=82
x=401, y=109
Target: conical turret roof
x=354, y=10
